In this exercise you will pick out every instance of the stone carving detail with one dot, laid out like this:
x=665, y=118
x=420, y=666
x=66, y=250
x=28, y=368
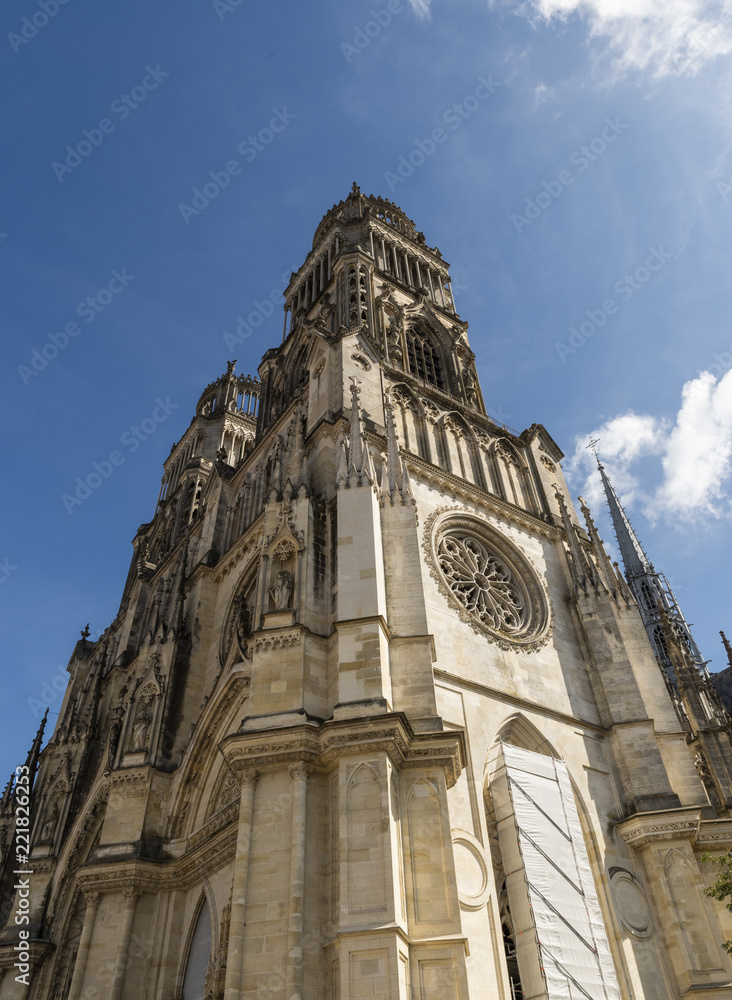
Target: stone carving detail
x=631, y=903
x=239, y=626
x=49, y=827
x=547, y=463
x=483, y=584
x=141, y=730
x=361, y=361
x=281, y=593
x=487, y=580
x=228, y=791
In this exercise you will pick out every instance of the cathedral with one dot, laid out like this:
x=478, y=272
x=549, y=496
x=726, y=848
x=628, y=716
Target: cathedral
x=378, y=718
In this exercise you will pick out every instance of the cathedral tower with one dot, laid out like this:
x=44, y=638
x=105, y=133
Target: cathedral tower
x=377, y=716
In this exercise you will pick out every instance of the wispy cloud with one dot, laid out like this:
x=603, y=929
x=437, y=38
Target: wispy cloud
x=662, y=37
x=693, y=453
x=421, y=8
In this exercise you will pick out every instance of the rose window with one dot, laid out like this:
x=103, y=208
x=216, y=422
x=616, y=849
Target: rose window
x=488, y=580
x=483, y=584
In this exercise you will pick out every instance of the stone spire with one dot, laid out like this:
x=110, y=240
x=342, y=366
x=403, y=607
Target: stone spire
x=650, y=588
x=396, y=481
x=635, y=561
x=35, y=751
x=581, y=568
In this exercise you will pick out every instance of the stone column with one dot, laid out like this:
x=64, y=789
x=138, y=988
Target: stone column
x=299, y=774
x=232, y=989
x=125, y=934
x=92, y=902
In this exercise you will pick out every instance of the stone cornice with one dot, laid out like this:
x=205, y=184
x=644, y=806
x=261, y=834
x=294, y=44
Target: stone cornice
x=715, y=833
x=211, y=850
x=667, y=824
x=322, y=745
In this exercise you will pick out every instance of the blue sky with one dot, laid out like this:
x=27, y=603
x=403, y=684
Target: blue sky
x=629, y=237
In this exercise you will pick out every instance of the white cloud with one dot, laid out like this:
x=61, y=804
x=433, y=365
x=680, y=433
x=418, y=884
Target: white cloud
x=699, y=449
x=693, y=452
x=421, y=8
x=663, y=37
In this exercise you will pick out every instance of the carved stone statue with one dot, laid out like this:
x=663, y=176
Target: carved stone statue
x=281, y=593
x=141, y=730
x=470, y=383
x=114, y=731
x=243, y=625
x=49, y=827
x=394, y=341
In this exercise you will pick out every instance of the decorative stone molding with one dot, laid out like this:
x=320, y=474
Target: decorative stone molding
x=631, y=903
x=714, y=834
x=148, y=876
x=471, y=870
x=649, y=828
x=301, y=770
x=265, y=643
x=320, y=746
x=130, y=776
x=487, y=580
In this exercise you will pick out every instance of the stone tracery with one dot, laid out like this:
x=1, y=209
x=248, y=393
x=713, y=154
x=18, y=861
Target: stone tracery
x=483, y=584
x=487, y=580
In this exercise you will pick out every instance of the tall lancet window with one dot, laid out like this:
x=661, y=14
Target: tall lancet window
x=554, y=936
x=424, y=360
x=199, y=954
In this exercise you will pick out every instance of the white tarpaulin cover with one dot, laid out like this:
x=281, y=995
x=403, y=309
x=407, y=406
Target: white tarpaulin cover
x=574, y=951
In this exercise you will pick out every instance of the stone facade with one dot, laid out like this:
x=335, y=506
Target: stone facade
x=278, y=772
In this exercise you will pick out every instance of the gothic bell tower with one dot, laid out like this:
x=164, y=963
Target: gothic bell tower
x=377, y=716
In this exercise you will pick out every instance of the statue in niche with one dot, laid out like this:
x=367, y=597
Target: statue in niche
x=49, y=827
x=115, y=728
x=243, y=625
x=141, y=730
x=470, y=383
x=394, y=341
x=281, y=593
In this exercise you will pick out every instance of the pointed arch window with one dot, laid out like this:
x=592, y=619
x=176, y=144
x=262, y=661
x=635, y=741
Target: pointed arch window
x=199, y=954
x=424, y=360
